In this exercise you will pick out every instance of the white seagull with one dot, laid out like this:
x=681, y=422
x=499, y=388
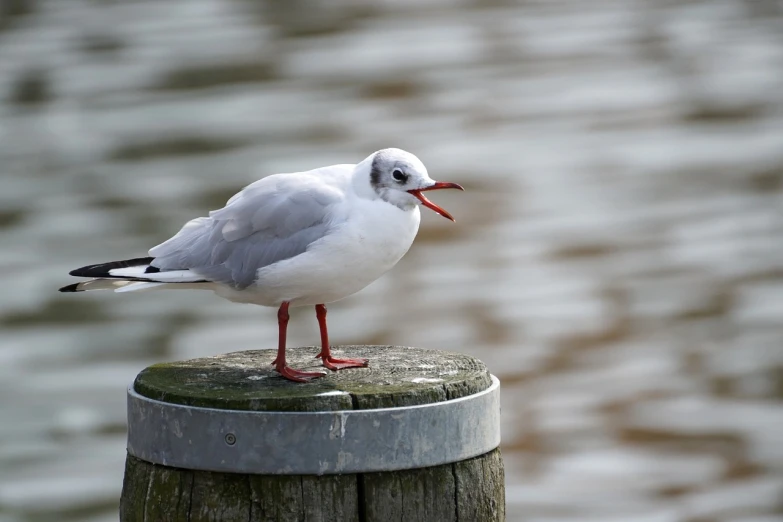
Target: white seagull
x=305, y=238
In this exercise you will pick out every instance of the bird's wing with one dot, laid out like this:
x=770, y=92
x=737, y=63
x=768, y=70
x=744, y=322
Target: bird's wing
x=275, y=218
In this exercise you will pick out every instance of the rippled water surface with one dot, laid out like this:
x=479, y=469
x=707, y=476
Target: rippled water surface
x=617, y=259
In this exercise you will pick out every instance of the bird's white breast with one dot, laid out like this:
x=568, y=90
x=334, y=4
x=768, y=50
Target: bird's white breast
x=368, y=237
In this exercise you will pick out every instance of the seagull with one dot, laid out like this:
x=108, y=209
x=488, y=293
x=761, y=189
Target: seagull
x=296, y=239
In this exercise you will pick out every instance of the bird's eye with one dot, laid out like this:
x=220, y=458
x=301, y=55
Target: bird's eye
x=399, y=175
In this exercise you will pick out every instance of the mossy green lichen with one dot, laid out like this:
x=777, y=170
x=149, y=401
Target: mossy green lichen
x=219, y=496
x=169, y=494
x=397, y=376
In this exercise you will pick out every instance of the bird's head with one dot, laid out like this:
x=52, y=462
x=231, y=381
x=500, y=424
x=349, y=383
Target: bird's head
x=400, y=178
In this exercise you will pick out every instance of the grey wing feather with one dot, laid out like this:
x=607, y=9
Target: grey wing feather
x=273, y=219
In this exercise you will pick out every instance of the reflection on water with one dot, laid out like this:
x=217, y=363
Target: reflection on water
x=617, y=259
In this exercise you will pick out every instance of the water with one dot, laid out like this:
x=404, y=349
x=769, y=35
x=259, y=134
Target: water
x=617, y=259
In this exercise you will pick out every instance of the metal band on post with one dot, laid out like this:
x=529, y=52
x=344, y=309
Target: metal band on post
x=314, y=443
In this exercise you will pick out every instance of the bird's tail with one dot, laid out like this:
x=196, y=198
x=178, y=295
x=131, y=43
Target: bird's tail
x=118, y=285
x=128, y=275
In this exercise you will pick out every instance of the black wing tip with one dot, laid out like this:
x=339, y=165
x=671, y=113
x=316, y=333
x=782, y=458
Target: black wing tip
x=102, y=269
x=89, y=271
x=71, y=288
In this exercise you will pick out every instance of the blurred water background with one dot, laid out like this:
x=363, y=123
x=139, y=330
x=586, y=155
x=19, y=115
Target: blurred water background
x=617, y=258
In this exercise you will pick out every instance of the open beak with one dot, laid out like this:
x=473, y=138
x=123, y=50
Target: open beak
x=429, y=204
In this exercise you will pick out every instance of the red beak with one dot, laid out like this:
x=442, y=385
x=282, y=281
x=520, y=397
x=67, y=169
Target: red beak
x=429, y=204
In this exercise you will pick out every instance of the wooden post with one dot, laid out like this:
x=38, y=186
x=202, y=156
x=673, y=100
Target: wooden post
x=208, y=403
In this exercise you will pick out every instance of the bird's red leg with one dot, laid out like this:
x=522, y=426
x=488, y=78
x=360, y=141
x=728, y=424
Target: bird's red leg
x=280, y=365
x=330, y=362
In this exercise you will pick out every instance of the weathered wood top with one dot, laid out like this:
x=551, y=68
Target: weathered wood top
x=397, y=376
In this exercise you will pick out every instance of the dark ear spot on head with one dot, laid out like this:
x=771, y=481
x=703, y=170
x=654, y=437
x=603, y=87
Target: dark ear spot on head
x=375, y=171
